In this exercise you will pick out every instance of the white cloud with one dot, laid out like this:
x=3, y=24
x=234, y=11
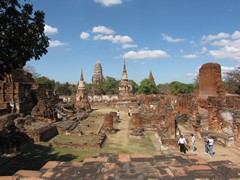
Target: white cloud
x=203, y=50
x=48, y=30
x=227, y=69
x=220, y=35
x=84, y=35
x=56, y=43
x=102, y=29
x=191, y=74
x=226, y=52
x=224, y=42
x=190, y=56
x=236, y=35
x=145, y=54
x=115, y=39
x=181, y=50
x=125, y=46
x=108, y=3
x=170, y=39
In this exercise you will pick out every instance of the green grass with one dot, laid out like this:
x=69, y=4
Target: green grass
x=134, y=146
x=75, y=139
x=37, y=156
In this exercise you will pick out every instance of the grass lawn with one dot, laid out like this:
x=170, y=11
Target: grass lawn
x=37, y=156
x=134, y=146
x=75, y=139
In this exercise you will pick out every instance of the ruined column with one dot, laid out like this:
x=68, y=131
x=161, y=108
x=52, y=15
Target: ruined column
x=210, y=80
x=108, y=122
x=136, y=120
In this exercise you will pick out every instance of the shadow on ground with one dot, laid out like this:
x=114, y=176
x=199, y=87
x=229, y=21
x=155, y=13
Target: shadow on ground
x=33, y=159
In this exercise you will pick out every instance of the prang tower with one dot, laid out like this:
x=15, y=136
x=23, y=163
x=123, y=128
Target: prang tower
x=98, y=73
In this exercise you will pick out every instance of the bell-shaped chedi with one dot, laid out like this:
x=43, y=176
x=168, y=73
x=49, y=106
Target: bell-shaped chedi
x=98, y=73
x=210, y=80
x=125, y=86
x=82, y=103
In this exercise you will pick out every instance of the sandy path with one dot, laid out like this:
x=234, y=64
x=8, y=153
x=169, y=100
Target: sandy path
x=221, y=153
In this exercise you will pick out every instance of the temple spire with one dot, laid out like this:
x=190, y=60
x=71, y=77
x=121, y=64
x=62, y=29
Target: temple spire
x=81, y=77
x=150, y=77
x=124, y=73
x=81, y=84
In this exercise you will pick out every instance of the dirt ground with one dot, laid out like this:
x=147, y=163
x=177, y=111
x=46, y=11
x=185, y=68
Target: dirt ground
x=121, y=142
x=220, y=152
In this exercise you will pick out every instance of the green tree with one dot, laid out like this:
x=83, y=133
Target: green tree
x=64, y=89
x=232, y=81
x=134, y=85
x=21, y=35
x=147, y=87
x=178, y=87
x=44, y=80
x=110, y=85
x=94, y=89
x=163, y=88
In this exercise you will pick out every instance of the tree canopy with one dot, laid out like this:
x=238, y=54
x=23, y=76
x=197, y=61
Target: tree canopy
x=178, y=87
x=147, y=87
x=21, y=35
x=110, y=85
x=232, y=81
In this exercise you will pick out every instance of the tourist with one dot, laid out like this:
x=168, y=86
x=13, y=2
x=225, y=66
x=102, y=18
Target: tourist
x=206, y=144
x=210, y=146
x=118, y=115
x=129, y=112
x=193, y=142
x=182, y=142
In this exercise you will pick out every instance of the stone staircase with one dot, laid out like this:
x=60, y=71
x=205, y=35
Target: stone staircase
x=123, y=166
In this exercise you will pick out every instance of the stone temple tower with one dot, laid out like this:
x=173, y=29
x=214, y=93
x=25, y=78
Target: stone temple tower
x=150, y=77
x=82, y=103
x=125, y=86
x=98, y=73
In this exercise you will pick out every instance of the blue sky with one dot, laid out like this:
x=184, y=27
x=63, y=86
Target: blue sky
x=173, y=38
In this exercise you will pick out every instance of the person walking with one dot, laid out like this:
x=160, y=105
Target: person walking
x=129, y=112
x=210, y=146
x=206, y=144
x=193, y=142
x=182, y=142
x=118, y=115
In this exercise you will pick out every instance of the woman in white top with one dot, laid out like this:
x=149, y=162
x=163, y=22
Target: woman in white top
x=181, y=143
x=210, y=146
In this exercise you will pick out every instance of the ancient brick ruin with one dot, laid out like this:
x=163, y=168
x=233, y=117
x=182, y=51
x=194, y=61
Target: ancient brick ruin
x=150, y=77
x=34, y=111
x=15, y=92
x=210, y=80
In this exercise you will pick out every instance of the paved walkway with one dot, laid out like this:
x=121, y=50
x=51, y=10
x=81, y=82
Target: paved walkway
x=221, y=153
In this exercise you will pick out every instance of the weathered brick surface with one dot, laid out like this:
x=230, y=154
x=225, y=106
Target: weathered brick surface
x=171, y=166
x=210, y=80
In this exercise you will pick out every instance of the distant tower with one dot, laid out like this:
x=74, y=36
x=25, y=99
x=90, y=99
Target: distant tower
x=125, y=86
x=98, y=74
x=150, y=77
x=82, y=103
